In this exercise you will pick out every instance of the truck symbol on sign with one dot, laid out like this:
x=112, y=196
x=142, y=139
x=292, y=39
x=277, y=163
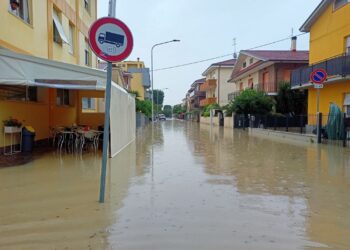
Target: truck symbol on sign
x=111, y=38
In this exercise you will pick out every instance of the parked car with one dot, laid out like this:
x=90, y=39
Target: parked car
x=162, y=117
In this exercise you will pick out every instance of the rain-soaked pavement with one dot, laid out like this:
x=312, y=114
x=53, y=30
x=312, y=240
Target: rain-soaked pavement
x=196, y=187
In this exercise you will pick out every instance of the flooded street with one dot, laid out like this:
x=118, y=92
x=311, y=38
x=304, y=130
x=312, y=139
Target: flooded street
x=194, y=187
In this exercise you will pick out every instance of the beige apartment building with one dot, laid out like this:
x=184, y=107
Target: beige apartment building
x=216, y=85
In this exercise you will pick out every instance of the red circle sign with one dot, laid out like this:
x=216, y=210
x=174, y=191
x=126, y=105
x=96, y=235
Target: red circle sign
x=318, y=76
x=110, y=39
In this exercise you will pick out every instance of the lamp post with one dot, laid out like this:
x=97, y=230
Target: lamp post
x=156, y=45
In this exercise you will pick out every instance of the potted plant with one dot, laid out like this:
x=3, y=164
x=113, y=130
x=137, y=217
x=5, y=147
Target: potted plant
x=12, y=125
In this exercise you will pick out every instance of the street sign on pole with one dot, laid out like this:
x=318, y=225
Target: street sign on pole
x=111, y=40
x=318, y=77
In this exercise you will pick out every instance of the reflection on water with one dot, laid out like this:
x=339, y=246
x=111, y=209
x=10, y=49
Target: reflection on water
x=182, y=186
x=218, y=188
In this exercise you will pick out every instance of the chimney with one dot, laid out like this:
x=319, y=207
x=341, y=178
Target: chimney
x=294, y=44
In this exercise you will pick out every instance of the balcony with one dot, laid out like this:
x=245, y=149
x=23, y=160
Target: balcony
x=336, y=67
x=268, y=88
x=233, y=95
x=209, y=84
x=207, y=101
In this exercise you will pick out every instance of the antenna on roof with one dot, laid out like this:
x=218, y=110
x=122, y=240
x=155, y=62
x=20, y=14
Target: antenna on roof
x=235, y=48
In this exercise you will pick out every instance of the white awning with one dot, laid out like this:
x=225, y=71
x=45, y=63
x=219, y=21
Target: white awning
x=347, y=100
x=18, y=69
x=59, y=27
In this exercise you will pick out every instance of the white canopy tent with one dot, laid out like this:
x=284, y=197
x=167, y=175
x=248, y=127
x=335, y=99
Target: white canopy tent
x=18, y=69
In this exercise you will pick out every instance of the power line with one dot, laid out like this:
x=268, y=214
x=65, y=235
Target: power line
x=222, y=56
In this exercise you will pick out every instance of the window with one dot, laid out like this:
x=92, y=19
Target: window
x=340, y=3
x=18, y=93
x=71, y=39
x=87, y=5
x=58, y=32
x=32, y=94
x=244, y=64
x=250, y=83
x=21, y=8
x=347, y=45
x=287, y=75
x=87, y=53
x=92, y=105
x=241, y=86
x=63, y=97
x=251, y=60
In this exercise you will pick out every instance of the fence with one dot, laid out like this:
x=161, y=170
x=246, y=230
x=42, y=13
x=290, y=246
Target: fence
x=333, y=129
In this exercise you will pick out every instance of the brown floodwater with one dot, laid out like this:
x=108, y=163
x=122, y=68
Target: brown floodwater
x=190, y=187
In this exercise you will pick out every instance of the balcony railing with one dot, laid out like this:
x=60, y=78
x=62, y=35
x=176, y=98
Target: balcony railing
x=209, y=84
x=207, y=101
x=268, y=88
x=197, y=94
x=336, y=66
x=233, y=95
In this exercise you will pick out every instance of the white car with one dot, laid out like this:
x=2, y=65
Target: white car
x=161, y=117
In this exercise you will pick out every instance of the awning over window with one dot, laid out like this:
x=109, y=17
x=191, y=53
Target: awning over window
x=347, y=100
x=59, y=27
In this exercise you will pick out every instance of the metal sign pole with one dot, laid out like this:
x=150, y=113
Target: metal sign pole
x=318, y=128
x=106, y=133
x=111, y=13
x=318, y=101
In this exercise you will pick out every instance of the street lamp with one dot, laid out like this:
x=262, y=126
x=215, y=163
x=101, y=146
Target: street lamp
x=156, y=45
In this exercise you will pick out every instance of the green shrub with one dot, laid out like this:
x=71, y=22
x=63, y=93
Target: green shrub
x=206, y=109
x=251, y=102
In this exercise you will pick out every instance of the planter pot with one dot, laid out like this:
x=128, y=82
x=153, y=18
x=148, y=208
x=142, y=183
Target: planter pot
x=10, y=130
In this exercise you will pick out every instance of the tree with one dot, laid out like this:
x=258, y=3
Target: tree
x=144, y=107
x=251, y=102
x=290, y=101
x=158, y=97
x=167, y=110
x=178, y=109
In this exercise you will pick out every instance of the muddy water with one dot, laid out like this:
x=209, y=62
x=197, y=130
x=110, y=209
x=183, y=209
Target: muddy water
x=194, y=187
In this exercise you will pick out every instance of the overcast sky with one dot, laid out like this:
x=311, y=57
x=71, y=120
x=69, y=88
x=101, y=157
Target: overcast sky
x=206, y=29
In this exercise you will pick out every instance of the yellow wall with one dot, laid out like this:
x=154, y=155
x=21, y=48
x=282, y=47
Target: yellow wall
x=91, y=119
x=333, y=92
x=36, y=39
x=46, y=115
x=63, y=115
x=34, y=114
x=327, y=35
x=327, y=40
x=17, y=35
x=136, y=84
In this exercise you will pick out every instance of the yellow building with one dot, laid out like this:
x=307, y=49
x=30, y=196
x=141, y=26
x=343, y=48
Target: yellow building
x=139, y=76
x=329, y=27
x=56, y=30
